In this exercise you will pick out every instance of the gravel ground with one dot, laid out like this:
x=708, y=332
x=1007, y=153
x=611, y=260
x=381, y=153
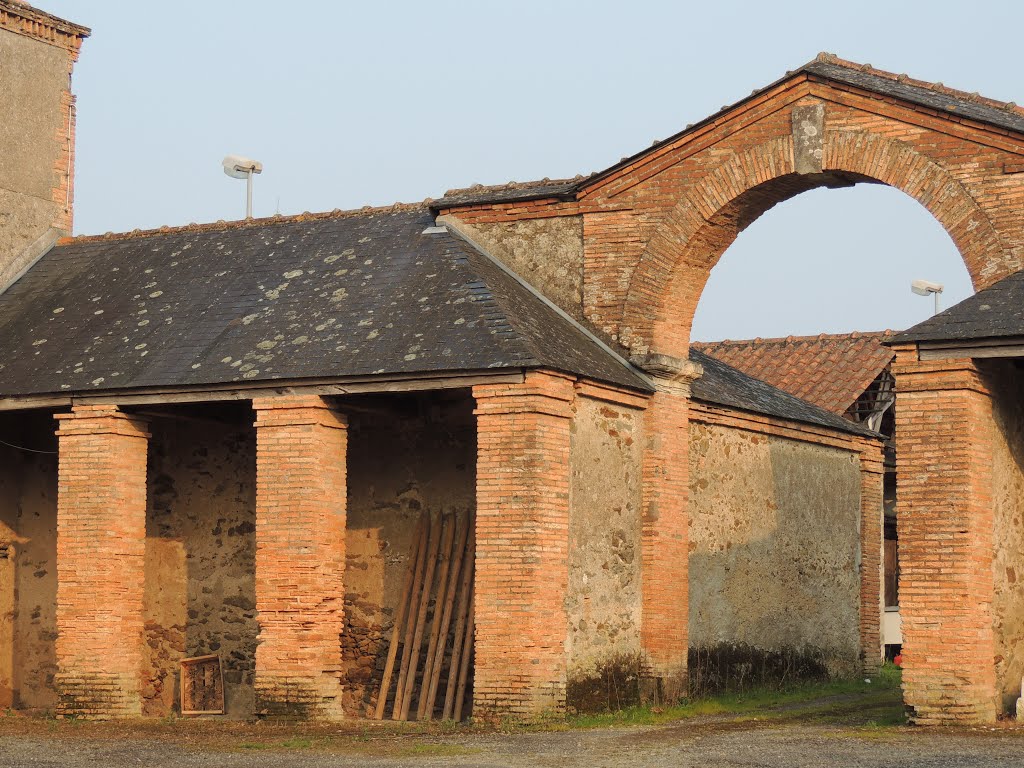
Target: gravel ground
x=703, y=743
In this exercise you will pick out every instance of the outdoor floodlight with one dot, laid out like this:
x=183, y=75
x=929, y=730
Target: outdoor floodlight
x=243, y=168
x=924, y=287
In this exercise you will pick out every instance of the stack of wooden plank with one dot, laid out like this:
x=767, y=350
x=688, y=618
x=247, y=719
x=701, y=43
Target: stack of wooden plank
x=433, y=625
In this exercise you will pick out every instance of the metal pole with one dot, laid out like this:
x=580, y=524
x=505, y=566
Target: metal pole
x=936, y=302
x=249, y=194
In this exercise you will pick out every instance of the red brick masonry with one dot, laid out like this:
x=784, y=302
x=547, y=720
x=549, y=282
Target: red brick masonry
x=945, y=519
x=301, y=498
x=522, y=545
x=101, y=547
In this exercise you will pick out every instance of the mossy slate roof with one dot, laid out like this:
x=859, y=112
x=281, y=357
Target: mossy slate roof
x=721, y=384
x=311, y=298
x=992, y=313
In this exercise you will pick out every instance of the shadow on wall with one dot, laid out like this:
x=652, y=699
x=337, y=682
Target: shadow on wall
x=1006, y=383
x=774, y=560
x=200, y=559
x=408, y=456
x=28, y=574
x=738, y=667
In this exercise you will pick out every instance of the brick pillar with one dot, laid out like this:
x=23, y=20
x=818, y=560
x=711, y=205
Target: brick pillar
x=944, y=519
x=872, y=519
x=664, y=630
x=101, y=548
x=522, y=545
x=301, y=503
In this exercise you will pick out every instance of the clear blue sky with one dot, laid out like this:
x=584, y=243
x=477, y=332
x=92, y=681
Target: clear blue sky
x=352, y=104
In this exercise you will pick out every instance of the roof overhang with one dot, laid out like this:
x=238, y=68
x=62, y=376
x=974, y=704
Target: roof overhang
x=1009, y=346
x=214, y=393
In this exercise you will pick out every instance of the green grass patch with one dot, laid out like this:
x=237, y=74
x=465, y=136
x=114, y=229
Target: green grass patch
x=877, y=703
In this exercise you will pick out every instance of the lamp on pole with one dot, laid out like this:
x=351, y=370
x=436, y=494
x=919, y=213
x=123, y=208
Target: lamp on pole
x=924, y=287
x=243, y=168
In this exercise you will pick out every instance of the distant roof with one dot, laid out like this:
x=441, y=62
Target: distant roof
x=828, y=370
x=991, y=313
x=722, y=384
x=324, y=296
x=827, y=66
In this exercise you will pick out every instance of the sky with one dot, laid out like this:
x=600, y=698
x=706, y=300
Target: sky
x=349, y=104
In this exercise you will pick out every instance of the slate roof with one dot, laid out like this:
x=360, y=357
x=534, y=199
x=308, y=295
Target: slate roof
x=310, y=297
x=991, y=313
x=722, y=384
x=935, y=96
x=513, y=191
x=828, y=370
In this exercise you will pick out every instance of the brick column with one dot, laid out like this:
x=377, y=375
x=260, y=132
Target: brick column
x=664, y=630
x=301, y=503
x=872, y=475
x=101, y=548
x=522, y=545
x=944, y=519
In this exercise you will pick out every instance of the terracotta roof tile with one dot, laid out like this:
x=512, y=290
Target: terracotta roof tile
x=828, y=370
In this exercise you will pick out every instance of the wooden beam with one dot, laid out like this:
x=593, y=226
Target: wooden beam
x=222, y=393
x=31, y=401
x=987, y=348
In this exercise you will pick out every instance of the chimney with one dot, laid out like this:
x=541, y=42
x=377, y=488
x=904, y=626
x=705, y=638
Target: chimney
x=37, y=133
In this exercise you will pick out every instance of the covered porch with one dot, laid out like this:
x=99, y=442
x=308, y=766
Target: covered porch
x=273, y=529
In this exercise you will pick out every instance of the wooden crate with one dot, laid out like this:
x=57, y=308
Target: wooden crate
x=202, y=686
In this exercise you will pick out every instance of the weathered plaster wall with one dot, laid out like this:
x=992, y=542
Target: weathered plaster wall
x=33, y=79
x=200, y=558
x=603, y=599
x=28, y=574
x=407, y=457
x=1008, y=533
x=547, y=253
x=774, y=552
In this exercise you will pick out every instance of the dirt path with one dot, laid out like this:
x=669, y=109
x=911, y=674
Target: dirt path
x=830, y=734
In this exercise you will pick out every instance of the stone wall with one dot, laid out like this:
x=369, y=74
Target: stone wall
x=547, y=253
x=28, y=574
x=774, y=557
x=603, y=599
x=407, y=457
x=1008, y=529
x=200, y=555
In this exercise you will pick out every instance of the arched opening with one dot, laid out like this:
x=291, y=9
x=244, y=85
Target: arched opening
x=774, y=562
x=670, y=278
x=664, y=292
x=830, y=261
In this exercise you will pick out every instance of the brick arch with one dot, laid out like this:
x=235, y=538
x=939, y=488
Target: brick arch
x=673, y=270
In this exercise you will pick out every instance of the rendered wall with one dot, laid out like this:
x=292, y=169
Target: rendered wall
x=774, y=558
x=603, y=600
x=1008, y=534
x=34, y=81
